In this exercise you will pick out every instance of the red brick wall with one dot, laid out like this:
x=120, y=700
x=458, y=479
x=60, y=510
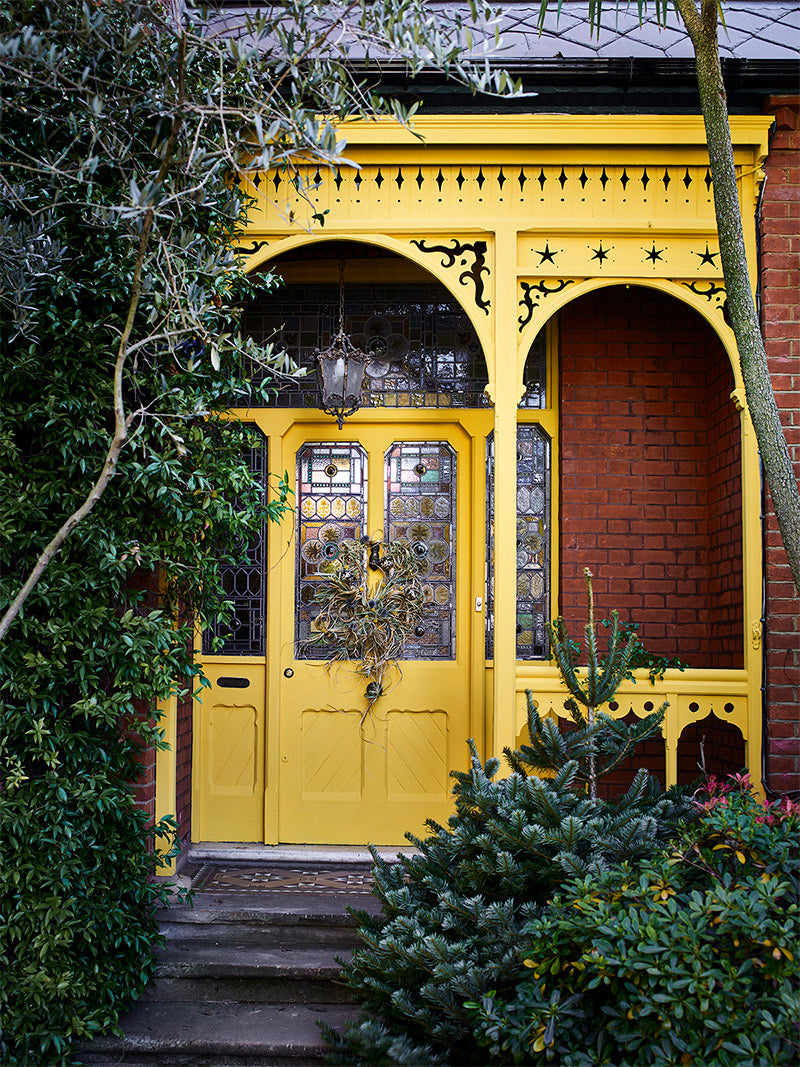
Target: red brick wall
x=183, y=758
x=780, y=309
x=650, y=484
x=144, y=788
x=724, y=471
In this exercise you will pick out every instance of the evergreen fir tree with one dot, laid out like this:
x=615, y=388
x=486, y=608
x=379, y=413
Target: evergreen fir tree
x=451, y=927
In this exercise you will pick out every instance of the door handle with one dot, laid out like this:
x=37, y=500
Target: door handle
x=288, y=673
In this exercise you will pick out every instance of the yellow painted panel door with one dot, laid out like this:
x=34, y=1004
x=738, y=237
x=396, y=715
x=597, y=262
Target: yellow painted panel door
x=229, y=726
x=345, y=776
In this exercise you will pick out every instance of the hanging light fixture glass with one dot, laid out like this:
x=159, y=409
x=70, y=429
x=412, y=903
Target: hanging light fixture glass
x=340, y=369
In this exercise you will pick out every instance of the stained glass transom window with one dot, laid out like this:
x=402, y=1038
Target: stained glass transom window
x=535, y=375
x=424, y=350
x=421, y=511
x=533, y=543
x=331, y=509
x=244, y=584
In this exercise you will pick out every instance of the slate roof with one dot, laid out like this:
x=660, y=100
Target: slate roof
x=754, y=29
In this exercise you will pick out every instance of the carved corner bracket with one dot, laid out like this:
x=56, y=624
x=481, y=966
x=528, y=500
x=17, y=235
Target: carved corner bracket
x=251, y=248
x=474, y=273
x=714, y=293
x=534, y=292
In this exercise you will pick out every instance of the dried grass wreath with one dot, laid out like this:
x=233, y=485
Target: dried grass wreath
x=368, y=621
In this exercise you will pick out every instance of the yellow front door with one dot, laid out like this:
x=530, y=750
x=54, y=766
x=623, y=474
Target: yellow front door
x=345, y=776
x=282, y=748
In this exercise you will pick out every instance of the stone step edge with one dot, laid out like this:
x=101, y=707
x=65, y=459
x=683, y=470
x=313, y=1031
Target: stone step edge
x=258, y=916
x=278, y=1030
x=311, y=972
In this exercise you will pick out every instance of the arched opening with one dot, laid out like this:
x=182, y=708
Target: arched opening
x=650, y=473
x=424, y=352
x=711, y=743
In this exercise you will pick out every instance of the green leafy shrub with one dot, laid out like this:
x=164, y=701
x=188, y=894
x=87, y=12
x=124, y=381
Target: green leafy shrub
x=452, y=918
x=108, y=628
x=687, y=958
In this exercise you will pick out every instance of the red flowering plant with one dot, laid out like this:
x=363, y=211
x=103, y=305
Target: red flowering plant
x=716, y=792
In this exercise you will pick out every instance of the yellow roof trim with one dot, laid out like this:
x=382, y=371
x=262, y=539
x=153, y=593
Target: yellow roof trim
x=748, y=131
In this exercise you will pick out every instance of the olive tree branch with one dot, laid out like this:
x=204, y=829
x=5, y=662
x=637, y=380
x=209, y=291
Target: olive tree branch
x=122, y=421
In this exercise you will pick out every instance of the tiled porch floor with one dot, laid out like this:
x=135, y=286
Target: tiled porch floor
x=215, y=878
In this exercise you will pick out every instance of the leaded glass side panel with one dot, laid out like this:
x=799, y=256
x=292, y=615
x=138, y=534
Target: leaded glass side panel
x=533, y=543
x=534, y=377
x=421, y=511
x=331, y=509
x=424, y=351
x=244, y=584
x=489, y=606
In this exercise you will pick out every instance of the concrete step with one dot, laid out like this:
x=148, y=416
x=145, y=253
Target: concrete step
x=199, y=970
x=242, y=978
x=262, y=925
x=219, y=1035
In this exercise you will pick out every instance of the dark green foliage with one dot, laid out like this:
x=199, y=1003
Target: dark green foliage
x=452, y=919
x=641, y=658
x=686, y=958
x=107, y=630
x=597, y=682
x=593, y=685
x=608, y=740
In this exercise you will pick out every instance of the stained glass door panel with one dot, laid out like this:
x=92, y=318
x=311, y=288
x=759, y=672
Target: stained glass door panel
x=421, y=512
x=331, y=510
x=345, y=776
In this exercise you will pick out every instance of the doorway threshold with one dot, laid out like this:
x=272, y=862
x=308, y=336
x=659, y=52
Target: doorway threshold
x=280, y=855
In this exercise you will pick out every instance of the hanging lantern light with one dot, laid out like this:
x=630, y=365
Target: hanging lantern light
x=340, y=369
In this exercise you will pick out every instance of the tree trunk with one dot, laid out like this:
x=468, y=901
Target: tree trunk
x=778, y=468
x=592, y=763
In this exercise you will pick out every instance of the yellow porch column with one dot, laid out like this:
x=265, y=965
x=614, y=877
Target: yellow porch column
x=506, y=398
x=753, y=563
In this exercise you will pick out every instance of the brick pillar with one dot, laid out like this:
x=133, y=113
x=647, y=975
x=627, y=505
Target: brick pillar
x=183, y=757
x=780, y=310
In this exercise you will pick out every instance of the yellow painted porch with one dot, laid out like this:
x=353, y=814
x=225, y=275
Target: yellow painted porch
x=516, y=217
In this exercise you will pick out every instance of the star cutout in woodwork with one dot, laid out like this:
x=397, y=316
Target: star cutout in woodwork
x=547, y=255
x=707, y=256
x=654, y=253
x=600, y=253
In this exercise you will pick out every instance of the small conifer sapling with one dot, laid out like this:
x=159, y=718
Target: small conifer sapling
x=594, y=685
